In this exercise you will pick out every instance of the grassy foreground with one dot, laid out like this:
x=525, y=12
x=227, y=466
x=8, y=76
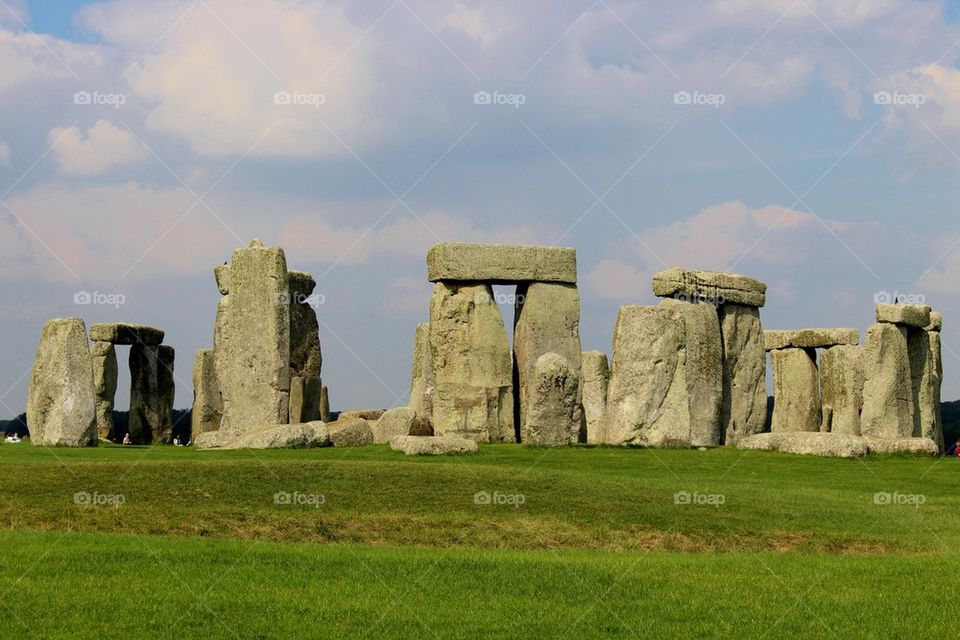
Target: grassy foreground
x=512, y=542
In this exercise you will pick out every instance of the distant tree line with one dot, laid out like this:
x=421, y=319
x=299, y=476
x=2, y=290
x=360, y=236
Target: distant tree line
x=121, y=425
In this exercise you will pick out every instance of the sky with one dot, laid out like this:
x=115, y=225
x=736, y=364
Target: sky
x=811, y=144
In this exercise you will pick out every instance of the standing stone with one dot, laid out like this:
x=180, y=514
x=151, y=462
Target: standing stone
x=796, y=391
x=167, y=392
x=887, y=389
x=305, y=399
x=841, y=389
x=594, y=378
x=704, y=370
x=472, y=364
x=647, y=396
x=744, y=410
x=398, y=421
x=926, y=373
x=546, y=320
x=306, y=358
x=421, y=377
x=324, y=404
x=253, y=350
x=146, y=412
x=553, y=415
x=207, y=408
x=104, y=356
x=61, y=402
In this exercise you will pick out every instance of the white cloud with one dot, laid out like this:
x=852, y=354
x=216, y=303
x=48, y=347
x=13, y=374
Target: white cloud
x=103, y=147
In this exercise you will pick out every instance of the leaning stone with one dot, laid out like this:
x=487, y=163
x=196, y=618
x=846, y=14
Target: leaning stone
x=704, y=370
x=305, y=399
x=61, y=402
x=350, y=432
x=926, y=373
x=831, y=445
x=796, y=391
x=500, y=263
x=887, y=389
x=395, y=422
x=647, y=396
x=166, y=392
x=936, y=322
x=810, y=338
x=594, y=377
x=105, y=369
x=421, y=377
x=911, y=315
x=306, y=358
x=553, y=417
x=547, y=320
x=146, y=410
x=472, y=364
x=371, y=415
x=709, y=287
x=207, y=407
x=432, y=445
x=744, y=410
x=924, y=446
x=124, y=333
x=841, y=389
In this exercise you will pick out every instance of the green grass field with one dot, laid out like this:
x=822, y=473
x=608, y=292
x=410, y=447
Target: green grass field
x=582, y=542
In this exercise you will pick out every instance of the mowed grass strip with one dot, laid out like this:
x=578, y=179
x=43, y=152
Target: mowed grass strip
x=81, y=586
x=583, y=498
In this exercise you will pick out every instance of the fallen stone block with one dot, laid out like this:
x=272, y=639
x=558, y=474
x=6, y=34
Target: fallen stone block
x=500, y=263
x=126, y=334
x=924, y=446
x=911, y=315
x=283, y=436
x=350, y=432
x=831, y=445
x=709, y=287
x=810, y=338
x=432, y=445
x=364, y=414
x=395, y=422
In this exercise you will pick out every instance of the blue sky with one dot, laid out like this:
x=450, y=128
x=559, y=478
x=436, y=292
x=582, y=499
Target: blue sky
x=786, y=165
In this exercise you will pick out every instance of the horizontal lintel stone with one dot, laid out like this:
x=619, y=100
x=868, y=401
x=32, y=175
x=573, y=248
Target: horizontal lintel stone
x=125, y=333
x=710, y=286
x=501, y=263
x=810, y=338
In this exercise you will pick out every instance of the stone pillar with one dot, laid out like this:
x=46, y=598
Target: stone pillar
x=553, y=414
x=841, y=389
x=306, y=358
x=594, y=378
x=926, y=369
x=61, y=402
x=744, y=409
x=252, y=350
x=887, y=389
x=421, y=377
x=647, y=396
x=207, y=408
x=166, y=392
x=324, y=403
x=704, y=370
x=546, y=320
x=146, y=413
x=796, y=385
x=472, y=364
x=305, y=399
x=105, y=370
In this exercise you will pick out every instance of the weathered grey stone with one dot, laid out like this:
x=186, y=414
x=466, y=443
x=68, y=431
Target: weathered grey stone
x=546, y=320
x=647, y=396
x=221, y=274
x=350, y=432
x=553, y=416
x=744, y=409
x=833, y=445
x=324, y=403
x=472, y=364
x=841, y=389
x=207, y=408
x=305, y=399
x=421, y=377
x=903, y=445
x=306, y=358
x=704, y=370
x=283, y=436
x=796, y=391
x=926, y=371
x=500, y=263
x=147, y=412
x=125, y=333
x=594, y=378
x=936, y=322
x=709, y=287
x=887, y=389
x=61, y=402
x=810, y=338
x=371, y=415
x=911, y=315
x=105, y=370
x=395, y=422
x=166, y=390
x=432, y=445
x=252, y=350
